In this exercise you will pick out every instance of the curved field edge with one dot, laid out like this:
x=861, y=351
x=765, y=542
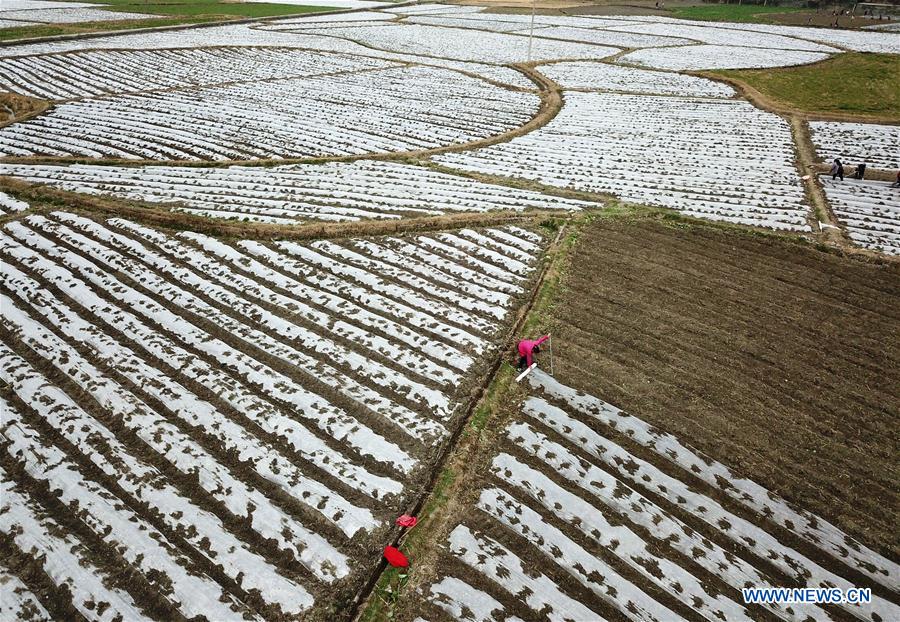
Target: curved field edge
x=45, y=199
x=852, y=86
x=550, y=103
x=398, y=593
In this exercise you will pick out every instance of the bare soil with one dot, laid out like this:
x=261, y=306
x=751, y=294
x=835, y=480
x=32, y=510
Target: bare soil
x=774, y=357
x=15, y=107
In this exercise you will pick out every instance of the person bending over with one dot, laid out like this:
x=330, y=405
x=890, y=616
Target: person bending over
x=527, y=349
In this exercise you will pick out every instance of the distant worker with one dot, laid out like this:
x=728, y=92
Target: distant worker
x=859, y=172
x=527, y=349
x=896, y=184
x=837, y=170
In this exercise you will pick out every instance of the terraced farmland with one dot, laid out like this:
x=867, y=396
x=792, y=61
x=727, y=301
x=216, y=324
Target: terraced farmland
x=225, y=429
x=78, y=75
x=464, y=45
x=347, y=114
x=369, y=79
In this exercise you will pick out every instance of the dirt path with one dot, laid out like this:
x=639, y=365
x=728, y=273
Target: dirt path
x=51, y=199
x=15, y=108
x=824, y=219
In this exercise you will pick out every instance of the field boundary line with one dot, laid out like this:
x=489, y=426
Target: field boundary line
x=551, y=254
x=51, y=199
x=806, y=160
x=769, y=104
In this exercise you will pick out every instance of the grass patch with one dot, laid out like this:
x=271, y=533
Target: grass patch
x=209, y=8
x=494, y=393
x=52, y=30
x=733, y=12
x=390, y=587
x=172, y=12
x=853, y=83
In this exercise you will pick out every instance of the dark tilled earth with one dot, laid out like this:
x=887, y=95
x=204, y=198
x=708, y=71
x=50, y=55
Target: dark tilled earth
x=777, y=359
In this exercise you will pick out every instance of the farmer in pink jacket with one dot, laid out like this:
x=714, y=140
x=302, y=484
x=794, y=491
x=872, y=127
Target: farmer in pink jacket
x=527, y=348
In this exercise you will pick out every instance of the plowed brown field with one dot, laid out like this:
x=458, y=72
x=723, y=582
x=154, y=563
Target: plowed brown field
x=775, y=358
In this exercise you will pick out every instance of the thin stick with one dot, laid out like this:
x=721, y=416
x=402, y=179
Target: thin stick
x=551, y=352
x=531, y=34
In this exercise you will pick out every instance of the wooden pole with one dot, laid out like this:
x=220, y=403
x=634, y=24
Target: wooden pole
x=551, y=352
x=531, y=34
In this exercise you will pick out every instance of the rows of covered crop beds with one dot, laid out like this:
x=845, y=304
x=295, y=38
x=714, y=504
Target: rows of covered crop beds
x=10, y=204
x=869, y=210
x=587, y=513
x=716, y=159
x=207, y=429
x=607, y=77
x=698, y=57
x=347, y=114
x=31, y=12
x=878, y=146
x=461, y=44
x=100, y=72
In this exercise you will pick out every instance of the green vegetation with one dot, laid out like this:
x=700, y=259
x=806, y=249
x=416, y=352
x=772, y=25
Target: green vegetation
x=174, y=12
x=489, y=402
x=52, y=30
x=733, y=12
x=392, y=581
x=207, y=8
x=854, y=83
